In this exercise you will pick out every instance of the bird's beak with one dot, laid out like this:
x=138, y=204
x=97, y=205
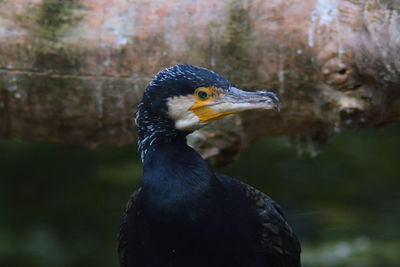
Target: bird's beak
x=235, y=100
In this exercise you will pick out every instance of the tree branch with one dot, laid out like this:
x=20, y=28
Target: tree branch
x=73, y=71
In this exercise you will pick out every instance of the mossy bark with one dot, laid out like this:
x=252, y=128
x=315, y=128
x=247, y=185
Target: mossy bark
x=73, y=71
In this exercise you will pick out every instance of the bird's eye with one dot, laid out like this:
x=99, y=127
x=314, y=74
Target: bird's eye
x=202, y=95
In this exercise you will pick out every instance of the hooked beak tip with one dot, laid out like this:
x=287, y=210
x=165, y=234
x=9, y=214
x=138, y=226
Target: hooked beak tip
x=275, y=100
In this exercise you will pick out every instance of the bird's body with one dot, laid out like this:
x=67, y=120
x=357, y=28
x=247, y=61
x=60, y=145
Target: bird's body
x=185, y=214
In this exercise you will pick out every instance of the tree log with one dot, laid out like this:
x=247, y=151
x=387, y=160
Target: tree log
x=73, y=71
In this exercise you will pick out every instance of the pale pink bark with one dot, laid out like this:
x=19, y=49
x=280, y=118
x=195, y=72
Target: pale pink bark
x=72, y=71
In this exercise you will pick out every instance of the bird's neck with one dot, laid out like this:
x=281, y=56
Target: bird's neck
x=155, y=130
x=175, y=176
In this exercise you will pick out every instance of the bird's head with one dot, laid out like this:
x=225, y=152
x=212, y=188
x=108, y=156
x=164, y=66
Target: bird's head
x=183, y=98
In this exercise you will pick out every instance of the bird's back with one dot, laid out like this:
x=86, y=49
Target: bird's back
x=239, y=227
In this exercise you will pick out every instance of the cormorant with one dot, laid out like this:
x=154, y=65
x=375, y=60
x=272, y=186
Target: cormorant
x=184, y=214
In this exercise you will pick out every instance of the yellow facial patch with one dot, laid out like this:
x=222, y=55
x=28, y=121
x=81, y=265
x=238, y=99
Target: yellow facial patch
x=203, y=97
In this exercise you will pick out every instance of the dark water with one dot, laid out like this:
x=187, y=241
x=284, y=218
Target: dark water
x=61, y=205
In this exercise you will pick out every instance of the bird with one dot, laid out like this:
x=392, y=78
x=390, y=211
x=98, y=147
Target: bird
x=185, y=214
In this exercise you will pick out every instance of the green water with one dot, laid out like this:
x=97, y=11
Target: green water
x=61, y=205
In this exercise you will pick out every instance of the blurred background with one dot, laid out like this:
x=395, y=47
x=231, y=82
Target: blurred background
x=61, y=205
